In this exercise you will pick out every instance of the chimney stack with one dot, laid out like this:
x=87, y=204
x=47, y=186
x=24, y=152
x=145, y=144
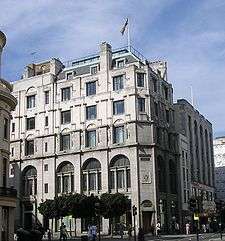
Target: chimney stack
x=2, y=44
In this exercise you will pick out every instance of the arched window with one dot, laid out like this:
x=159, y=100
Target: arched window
x=161, y=174
x=91, y=175
x=173, y=177
x=65, y=178
x=30, y=181
x=119, y=173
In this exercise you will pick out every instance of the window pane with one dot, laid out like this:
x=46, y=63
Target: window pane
x=118, y=107
x=120, y=63
x=141, y=104
x=94, y=70
x=92, y=181
x=140, y=79
x=119, y=134
x=65, y=117
x=65, y=142
x=91, y=112
x=120, y=179
x=84, y=182
x=111, y=180
x=46, y=97
x=72, y=183
x=30, y=101
x=128, y=178
x=30, y=123
x=118, y=83
x=99, y=181
x=66, y=94
x=29, y=147
x=65, y=184
x=91, y=88
x=6, y=128
x=91, y=138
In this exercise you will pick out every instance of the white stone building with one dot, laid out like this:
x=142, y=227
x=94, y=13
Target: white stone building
x=219, y=156
x=103, y=123
x=7, y=194
x=196, y=159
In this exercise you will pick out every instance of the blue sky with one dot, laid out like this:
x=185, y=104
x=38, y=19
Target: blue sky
x=189, y=34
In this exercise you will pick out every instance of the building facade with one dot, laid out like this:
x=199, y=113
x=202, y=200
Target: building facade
x=7, y=194
x=219, y=155
x=104, y=123
x=196, y=159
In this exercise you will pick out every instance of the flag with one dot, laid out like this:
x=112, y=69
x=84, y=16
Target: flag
x=124, y=27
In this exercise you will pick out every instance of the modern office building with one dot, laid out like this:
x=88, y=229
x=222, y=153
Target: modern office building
x=196, y=159
x=219, y=156
x=7, y=194
x=102, y=123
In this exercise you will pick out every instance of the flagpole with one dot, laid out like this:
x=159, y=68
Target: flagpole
x=128, y=35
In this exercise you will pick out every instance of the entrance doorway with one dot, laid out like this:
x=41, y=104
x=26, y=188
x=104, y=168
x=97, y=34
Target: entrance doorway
x=147, y=221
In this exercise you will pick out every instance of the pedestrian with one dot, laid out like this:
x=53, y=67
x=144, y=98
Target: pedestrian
x=158, y=229
x=121, y=230
x=61, y=232
x=65, y=233
x=187, y=227
x=89, y=233
x=49, y=234
x=129, y=229
x=141, y=236
x=177, y=228
x=93, y=232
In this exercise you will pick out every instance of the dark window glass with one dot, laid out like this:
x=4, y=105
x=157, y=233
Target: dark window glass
x=91, y=138
x=46, y=187
x=84, y=182
x=120, y=64
x=69, y=76
x=29, y=147
x=156, y=109
x=31, y=123
x=112, y=180
x=119, y=134
x=99, y=181
x=46, y=120
x=13, y=127
x=141, y=104
x=4, y=173
x=65, y=117
x=91, y=88
x=120, y=179
x=65, y=184
x=118, y=83
x=46, y=97
x=30, y=101
x=155, y=85
x=72, y=183
x=94, y=70
x=65, y=142
x=66, y=94
x=91, y=112
x=6, y=128
x=58, y=184
x=166, y=93
x=140, y=79
x=46, y=146
x=128, y=178
x=46, y=167
x=118, y=107
x=12, y=151
x=168, y=116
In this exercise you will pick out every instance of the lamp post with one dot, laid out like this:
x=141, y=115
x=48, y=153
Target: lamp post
x=97, y=213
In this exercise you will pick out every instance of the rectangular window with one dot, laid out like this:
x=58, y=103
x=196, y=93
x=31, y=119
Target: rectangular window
x=91, y=138
x=128, y=178
x=13, y=127
x=118, y=134
x=30, y=101
x=166, y=93
x=65, y=184
x=46, y=120
x=58, y=184
x=140, y=79
x=6, y=128
x=65, y=117
x=156, y=109
x=120, y=63
x=167, y=116
x=31, y=123
x=12, y=151
x=46, y=187
x=65, y=142
x=91, y=88
x=46, y=146
x=91, y=112
x=46, y=97
x=118, y=83
x=141, y=104
x=92, y=181
x=155, y=85
x=69, y=76
x=112, y=180
x=94, y=69
x=29, y=147
x=118, y=107
x=46, y=167
x=84, y=182
x=120, y=179
x=185, y=197
x=65, y=94
x=4, y=172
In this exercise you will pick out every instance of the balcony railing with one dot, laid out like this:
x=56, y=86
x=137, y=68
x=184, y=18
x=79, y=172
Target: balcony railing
x=8, y=192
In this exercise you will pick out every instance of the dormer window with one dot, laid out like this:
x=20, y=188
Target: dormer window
x=120, y=63
x=94, y=69
x=69, y=76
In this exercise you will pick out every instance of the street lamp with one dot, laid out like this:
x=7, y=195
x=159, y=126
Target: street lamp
x=97, y=213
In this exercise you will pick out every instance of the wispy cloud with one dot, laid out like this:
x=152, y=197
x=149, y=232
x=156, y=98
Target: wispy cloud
x=189, y=34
